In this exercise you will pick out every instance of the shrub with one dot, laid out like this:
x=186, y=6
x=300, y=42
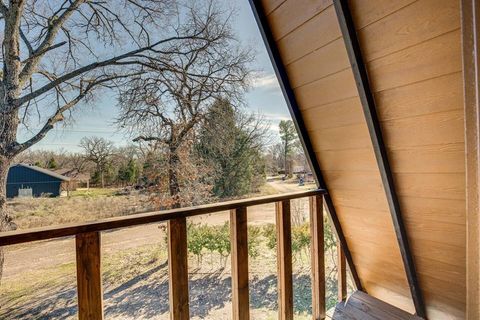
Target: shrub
x=254, y=234
x=270, y=233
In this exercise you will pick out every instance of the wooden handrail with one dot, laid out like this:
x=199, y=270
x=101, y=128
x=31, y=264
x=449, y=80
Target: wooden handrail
x=88, y=253
x=36, y=234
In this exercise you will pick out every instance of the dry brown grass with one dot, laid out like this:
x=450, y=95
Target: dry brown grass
x=81, y=206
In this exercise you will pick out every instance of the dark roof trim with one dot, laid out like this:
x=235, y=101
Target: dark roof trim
x=44, y=171
x=294, y=109
x=368, y=103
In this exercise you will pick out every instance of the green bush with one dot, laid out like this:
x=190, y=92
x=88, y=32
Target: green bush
x=216, y=239
x=270, y=233
x=301, y=239
x=254, y=234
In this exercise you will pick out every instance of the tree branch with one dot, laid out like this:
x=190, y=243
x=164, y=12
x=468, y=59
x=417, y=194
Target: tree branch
x=93, y=66
x=53, y=28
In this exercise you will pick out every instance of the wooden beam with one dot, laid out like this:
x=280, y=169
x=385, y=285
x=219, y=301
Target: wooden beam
x=178, y=269
x=239, y=241
x=284, y=260
x=89, y=278
x=471, y=67
x=341, y=274
x=280, y=71
x=368, y=103
x=318, y=257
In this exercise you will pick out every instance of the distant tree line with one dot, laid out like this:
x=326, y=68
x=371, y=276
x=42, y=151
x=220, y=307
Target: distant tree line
x=223, y=157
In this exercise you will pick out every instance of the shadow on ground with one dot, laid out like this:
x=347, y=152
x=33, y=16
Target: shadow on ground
x=146, y=296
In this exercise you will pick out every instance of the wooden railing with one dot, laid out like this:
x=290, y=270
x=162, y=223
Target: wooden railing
x=88, y=253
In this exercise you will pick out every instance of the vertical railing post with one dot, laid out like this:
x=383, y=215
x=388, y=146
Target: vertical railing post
x=342, y=274
x=284, y=260
x=318, y=257
x=89, y=280
x=239, y=242
x=178, y=269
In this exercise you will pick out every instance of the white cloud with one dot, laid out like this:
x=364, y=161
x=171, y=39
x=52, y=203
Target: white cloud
x=265, y=81
x=276, y=116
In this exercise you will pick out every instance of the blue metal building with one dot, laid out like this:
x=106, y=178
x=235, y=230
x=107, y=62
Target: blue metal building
x=40, y=181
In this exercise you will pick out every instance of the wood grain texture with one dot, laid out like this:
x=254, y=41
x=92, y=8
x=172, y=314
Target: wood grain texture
x=418, y=63
x=413, y=49
x=89, y=277
x=366, y=12
x=239, y=256
x=313, y=34
x=271, y=5
x=285, y=22
x=307, y=69
x=471, y=41
x=318, y=257
x=335, y=87
x=178, y=269
x=363, y=306
x=409, y=26
x=284, y=260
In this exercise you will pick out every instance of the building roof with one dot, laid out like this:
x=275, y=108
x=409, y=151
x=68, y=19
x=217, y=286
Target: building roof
x=44, y=171
x=73, y=174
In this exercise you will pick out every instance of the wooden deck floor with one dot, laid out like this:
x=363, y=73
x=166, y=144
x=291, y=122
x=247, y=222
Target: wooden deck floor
x=363, y=306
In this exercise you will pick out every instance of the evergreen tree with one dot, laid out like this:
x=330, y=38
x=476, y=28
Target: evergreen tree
x=230, y=143
x=128, y=173
x=289, y=138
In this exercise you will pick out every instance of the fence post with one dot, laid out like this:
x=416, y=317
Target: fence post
x=89, y=280
x=239, y=242
x=284, y=260
x=318, y=257
x=178, y=269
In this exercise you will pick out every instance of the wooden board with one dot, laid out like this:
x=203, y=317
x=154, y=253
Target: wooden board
x=365, y=307
x=413, y=55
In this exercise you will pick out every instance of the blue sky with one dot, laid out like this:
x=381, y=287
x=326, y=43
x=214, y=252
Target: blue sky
x=264, y=97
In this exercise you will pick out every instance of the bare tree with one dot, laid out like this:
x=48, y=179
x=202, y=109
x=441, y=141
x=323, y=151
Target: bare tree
x=56, y=54
x=167, y=106
x=99, y=151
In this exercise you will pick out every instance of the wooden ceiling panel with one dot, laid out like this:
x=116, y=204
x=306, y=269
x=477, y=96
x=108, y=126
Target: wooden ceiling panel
x=418, y=99
x=326, y=116
x=415, y=72
x=283, y=22
x=313, y=34
x=412, y=52
x=421, y=62
x=366, y=12
x=308, y=69
x=408, y=26
x=335, y=87
x=341, y=138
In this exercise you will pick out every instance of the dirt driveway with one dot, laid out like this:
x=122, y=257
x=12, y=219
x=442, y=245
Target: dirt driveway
x=46, y=254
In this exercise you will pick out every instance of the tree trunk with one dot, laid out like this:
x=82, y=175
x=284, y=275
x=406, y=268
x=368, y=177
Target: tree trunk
x=173, y=184
x=102, y=177
x=5, y=219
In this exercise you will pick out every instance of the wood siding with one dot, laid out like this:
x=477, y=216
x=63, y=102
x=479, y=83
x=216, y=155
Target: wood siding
x=413, y=56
